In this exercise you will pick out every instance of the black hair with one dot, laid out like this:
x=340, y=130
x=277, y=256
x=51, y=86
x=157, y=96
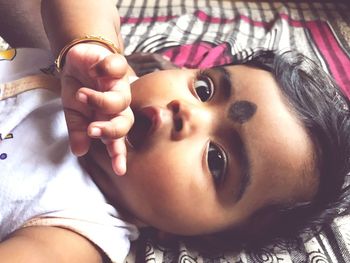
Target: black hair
x=323, y=110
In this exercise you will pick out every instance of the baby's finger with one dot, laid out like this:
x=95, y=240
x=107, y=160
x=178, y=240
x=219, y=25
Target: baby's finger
x=119, y=164
x=115, y=128
x=114, y=66
x=117, y=151
x=78, y=138
x=70, y=86
x=108, y=102
x=79, y=142
x=115, y=147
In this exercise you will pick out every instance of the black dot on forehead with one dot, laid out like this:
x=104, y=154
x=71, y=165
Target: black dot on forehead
x=241, y=111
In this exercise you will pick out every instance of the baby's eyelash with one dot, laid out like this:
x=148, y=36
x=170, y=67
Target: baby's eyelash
x=203, y=86
x=202, y=73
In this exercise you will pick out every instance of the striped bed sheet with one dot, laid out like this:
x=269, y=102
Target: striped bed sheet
x=205, y=33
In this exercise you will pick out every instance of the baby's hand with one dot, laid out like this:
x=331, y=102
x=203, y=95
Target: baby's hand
x=96, y=98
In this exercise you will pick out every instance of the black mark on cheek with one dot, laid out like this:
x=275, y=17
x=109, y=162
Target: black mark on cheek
x=241, y=111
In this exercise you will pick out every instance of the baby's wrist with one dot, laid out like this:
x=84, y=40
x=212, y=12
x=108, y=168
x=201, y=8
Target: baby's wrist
x=98, y=40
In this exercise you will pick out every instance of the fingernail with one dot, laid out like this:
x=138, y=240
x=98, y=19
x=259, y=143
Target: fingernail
x=82, y=97
x=95, y=132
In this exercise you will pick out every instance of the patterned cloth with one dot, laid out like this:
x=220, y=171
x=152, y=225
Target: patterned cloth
x=203, y=33
x=206, y=33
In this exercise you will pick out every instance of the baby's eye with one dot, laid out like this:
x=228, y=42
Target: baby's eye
x=204, y=87
x=217, y=162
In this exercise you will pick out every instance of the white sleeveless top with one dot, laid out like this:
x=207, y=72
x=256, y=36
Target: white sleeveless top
x=41, y=181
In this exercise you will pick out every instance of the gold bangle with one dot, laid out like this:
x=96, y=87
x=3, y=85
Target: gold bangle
x=59, y=62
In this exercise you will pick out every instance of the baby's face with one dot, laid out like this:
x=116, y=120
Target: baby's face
x=208, y=150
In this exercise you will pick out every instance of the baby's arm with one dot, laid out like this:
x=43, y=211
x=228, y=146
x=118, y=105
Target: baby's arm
x=48, y=244
x=67, y=20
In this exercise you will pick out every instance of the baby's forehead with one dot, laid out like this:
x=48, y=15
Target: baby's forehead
x=281, y=153
x=276, y=141
x=289, y=180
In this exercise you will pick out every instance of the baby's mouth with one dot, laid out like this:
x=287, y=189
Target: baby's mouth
x=144, y=124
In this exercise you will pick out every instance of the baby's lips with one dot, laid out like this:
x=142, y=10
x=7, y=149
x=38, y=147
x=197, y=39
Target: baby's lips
x=154, y=116
x=147, y=121
x=142, y=127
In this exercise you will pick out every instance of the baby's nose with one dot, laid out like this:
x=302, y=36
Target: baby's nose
x=188, y=119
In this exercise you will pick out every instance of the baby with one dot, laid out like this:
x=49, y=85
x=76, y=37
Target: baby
x=216, y=150
x=246, y=151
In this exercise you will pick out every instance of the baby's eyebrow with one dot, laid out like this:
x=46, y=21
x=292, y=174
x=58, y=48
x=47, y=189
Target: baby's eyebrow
x=225, y=81
x=245, y=170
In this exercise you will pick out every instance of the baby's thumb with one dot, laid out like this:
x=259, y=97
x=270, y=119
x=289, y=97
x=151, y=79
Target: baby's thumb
x=113, y=66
